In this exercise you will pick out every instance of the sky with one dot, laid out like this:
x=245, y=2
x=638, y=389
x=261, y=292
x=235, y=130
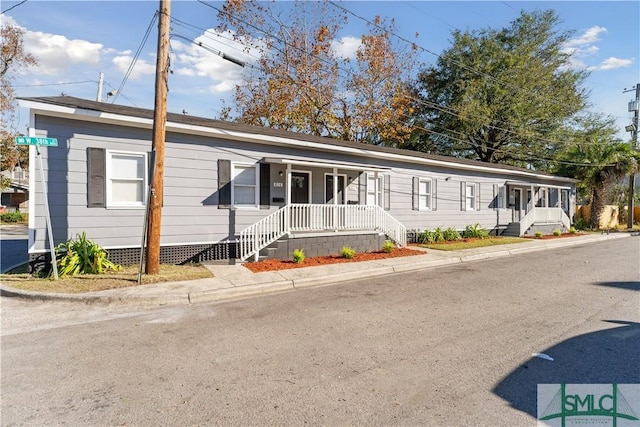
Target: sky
x=75, y=41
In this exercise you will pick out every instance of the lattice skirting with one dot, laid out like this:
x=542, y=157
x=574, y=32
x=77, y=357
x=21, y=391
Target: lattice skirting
x=182, y=254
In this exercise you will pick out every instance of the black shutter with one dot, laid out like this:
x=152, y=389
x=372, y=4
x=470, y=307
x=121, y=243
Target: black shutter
x=96, y=177
x=265, y=187
x=224, y=184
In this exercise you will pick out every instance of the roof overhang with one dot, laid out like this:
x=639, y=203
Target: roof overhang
x=286, y=140
x=302, y=161
x=538, y=184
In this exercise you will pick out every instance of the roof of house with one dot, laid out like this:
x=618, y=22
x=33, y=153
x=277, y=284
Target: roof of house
x=187, y=120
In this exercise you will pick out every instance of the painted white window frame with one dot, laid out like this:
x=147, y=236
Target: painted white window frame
x=375, y=194
x=110, y=177
x=235, y=167
x=426, y=196
x=469, y=202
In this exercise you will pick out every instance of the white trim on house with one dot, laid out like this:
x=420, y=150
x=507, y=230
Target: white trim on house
x=299, y=161
x=133, y=121
x=235, y=166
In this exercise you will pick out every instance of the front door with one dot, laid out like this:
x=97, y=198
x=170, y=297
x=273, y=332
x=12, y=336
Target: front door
x=516, y=204
x=300, y=187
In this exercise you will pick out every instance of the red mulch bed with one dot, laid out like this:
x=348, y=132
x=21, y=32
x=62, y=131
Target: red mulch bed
x=278, y=264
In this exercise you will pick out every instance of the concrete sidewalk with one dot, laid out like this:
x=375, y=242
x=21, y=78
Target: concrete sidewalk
x=231, y=282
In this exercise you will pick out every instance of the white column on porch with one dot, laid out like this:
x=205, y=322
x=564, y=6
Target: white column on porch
x=335, y=199
x=288, y=186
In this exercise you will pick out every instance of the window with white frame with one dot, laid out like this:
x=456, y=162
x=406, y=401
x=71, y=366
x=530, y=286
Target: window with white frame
x=126, y=179
x=469, y=196
x=425, y=192
x=244, y=191
x=374, y=189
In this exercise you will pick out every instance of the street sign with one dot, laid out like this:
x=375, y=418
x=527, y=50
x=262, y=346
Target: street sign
x=32, y=140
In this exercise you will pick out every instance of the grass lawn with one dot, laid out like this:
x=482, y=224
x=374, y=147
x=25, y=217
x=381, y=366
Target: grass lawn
x=473, y=243
x=125, y=277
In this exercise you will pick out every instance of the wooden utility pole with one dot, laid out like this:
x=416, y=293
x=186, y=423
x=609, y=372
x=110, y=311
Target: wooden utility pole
x=159, y=126
x=634, y=142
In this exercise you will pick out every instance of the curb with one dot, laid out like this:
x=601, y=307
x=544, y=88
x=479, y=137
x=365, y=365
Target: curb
x=289, y=282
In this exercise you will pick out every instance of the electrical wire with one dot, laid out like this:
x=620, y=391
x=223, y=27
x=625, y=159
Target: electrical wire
x=57, y=84
x=13, y=7
x=514, y=155
x=136, y=56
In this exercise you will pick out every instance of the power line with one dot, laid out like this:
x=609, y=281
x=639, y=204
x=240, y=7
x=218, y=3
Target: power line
x=135, y=57
x=57, y=84
x=449, y=110
x=13, y=7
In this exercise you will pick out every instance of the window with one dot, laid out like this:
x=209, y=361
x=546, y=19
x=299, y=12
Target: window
x=500, y=193
x=244, y=191
x=469, y=196
x=374, y=189
x=424, y=194
x=126, y=179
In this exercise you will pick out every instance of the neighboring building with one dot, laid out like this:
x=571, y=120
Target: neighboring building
x=231, y=190
x=14, y=198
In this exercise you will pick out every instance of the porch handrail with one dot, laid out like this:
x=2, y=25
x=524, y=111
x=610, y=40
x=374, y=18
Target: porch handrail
x=542, y=215
x=316, y=217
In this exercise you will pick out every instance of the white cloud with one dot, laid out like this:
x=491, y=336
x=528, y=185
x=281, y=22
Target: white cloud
x=588, y=37
x=200, y=59
x=613, y=63
x=56, y=53
x=346, y=47
x=141, y=67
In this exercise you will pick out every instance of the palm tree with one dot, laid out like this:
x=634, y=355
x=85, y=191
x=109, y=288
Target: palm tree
x=600, y=161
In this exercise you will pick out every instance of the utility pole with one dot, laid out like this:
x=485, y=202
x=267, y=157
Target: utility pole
x=100, y=84
x=633, y=106
x=159, y=126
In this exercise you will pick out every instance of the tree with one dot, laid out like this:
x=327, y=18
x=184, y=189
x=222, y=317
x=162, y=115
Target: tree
x=12, y=59
x=599, y=160
x=500, y=96
x=302, y=84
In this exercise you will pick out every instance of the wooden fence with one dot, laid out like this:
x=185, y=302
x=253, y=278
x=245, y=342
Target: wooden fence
x=612, y=217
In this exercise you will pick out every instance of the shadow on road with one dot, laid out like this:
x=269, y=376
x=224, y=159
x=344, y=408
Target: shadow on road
x=602, y=357
x=13, y=252
x=631, y=286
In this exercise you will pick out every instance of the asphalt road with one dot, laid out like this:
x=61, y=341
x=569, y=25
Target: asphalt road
x=13, y=246
x=451, y=346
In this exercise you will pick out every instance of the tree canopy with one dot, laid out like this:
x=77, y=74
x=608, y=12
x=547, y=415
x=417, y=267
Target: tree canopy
x=500, y=95
x=599, y=160
x=301, y=82
x=12, y=59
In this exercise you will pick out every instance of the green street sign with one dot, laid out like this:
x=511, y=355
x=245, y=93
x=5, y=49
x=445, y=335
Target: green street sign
x=32, y=140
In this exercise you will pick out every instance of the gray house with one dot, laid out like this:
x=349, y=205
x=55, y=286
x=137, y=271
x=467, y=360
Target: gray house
x=235, y=191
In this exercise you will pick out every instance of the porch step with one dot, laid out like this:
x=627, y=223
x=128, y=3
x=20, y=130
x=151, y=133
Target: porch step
x=512, y=230
x=545, y=228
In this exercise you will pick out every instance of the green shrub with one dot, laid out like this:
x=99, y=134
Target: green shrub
x=347, y=252
x=557, y=232
x=451, y=234
x=388, y=246
x=581, y=224
x=298, y=256
x=572, y=230
x=475, y=231
x=13, y=217
x=538, y=234
x=432, y=236
x=82, y=256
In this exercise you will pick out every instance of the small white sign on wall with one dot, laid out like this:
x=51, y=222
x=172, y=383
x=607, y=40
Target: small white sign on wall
x=278, y=184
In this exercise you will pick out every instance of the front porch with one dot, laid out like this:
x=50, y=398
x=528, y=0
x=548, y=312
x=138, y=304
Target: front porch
x=297, y=220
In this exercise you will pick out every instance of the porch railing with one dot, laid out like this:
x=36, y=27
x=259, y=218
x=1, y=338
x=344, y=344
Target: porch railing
x=309, y=217
x=542, y=216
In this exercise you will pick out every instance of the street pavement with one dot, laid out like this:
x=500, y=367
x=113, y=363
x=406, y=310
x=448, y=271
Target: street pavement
x=13, y=246
x=446, y=346
x=232, y=282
